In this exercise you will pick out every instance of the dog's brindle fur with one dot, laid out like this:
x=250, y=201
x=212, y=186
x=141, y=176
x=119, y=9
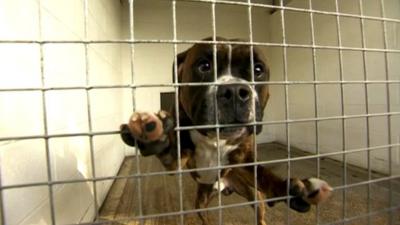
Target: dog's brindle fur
x=236, y=102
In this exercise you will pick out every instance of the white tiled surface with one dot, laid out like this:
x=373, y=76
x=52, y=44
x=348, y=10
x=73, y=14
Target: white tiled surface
x=64, y=61
x=104, y=63
x=62, y=20
x=106, y=108
x=70, y=158
x=22, y=63
x=67, y=112
x=23, y=162
x=19, y=20
x=21, y=112
x=34, y=210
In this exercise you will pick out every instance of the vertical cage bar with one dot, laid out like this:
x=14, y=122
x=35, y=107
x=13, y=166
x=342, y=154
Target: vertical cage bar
x=315, y=89
x=364, y=59
x=2, y=211
x=215, y=69
x=250, y=22
x=133, y=91
x=89, y=111
x=45, y=125
x=388, y=109
x=178, y=132
x=344, y=157
x=287, y=126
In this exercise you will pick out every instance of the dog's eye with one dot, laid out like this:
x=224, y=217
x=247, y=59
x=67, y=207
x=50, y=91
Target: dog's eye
x=204, y=66
x=258, y=69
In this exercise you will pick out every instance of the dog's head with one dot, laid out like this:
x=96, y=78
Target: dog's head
x=234, y=99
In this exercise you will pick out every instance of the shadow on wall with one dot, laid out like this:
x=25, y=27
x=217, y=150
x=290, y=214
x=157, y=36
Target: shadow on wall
x=33, y=204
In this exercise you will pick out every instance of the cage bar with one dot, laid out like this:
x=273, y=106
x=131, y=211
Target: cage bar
x=205, y=126
x=45, y=124
x=287, y=126
x=89, y=111
x=388, y=109
x=178, y=133
x=339, y=38
x=2, y=211
x=315, y=92
x=288, y=121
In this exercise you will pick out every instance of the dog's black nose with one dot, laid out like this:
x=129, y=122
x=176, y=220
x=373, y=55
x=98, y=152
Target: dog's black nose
x=234, y=93
x=243, y=93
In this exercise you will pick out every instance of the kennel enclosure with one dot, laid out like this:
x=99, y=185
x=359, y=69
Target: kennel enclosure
x=71, y=71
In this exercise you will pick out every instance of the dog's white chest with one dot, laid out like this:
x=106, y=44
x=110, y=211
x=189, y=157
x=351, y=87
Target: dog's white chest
x=206, y=155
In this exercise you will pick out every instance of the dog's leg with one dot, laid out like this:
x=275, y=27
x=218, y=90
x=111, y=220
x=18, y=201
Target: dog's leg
x=205, y=193
x=261, y=209
x=239, y=185
x=303, y=193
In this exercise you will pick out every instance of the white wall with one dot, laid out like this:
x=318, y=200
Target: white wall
x=21, y=112
x=300, y=68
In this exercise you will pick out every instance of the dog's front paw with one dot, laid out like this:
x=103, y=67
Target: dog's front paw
x=308, y=191
x=146, y=127
x=149, y=130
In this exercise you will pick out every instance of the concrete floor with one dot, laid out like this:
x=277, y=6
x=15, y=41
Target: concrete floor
x=160, y=195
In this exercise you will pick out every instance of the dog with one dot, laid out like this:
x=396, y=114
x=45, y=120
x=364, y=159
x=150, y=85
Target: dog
x=232, y=100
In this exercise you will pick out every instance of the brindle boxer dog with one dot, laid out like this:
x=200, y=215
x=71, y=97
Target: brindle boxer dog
x=238, y=103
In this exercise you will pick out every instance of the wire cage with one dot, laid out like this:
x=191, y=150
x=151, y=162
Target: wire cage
x=73, y=70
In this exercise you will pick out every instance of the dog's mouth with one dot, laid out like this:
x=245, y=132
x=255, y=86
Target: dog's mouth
x=231, y=132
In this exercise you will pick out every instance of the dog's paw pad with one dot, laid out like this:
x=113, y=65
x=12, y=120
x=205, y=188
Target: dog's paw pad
x=316, y=190
x=146, y=127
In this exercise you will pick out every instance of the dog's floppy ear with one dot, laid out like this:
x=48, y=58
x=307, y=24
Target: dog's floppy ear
x=180, y=59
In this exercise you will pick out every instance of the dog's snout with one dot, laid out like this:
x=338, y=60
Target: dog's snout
x=243, y=93
x=226, y=93
x=235, y=103
x=234, y=93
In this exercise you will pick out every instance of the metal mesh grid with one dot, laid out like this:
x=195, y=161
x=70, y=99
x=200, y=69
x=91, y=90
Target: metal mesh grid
x=287, y=121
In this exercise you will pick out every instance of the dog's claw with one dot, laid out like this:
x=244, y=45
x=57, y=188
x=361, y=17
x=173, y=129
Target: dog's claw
x=144, y=117
x=135, y=117
x=162, y=114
